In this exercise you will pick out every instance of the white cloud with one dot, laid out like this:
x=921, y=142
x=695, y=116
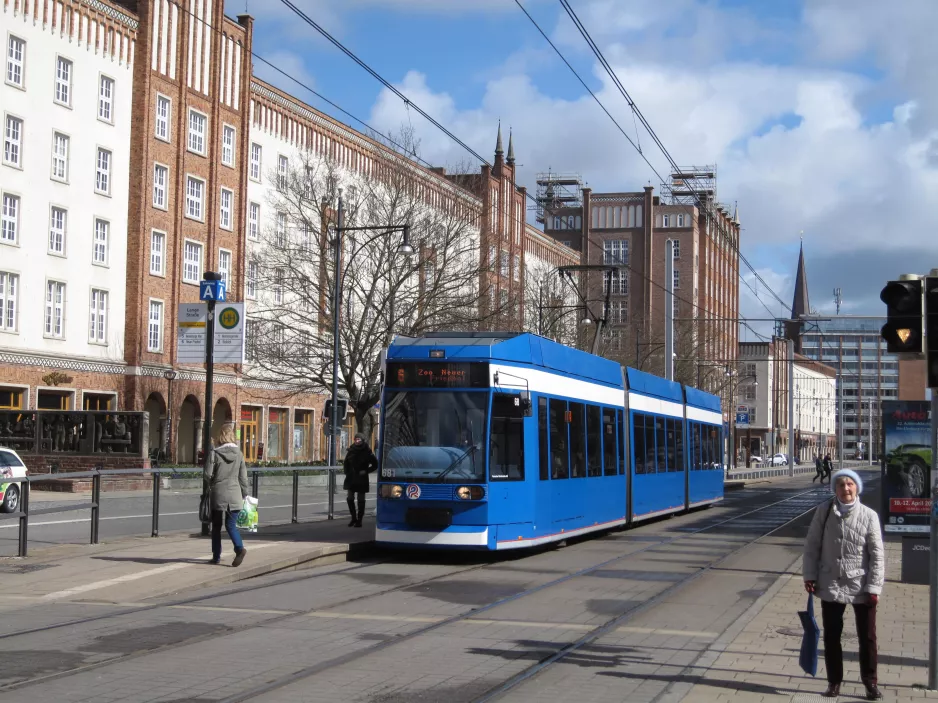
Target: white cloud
x=290, y=63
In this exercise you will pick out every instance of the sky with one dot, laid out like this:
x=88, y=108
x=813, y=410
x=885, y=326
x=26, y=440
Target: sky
x=820, y=115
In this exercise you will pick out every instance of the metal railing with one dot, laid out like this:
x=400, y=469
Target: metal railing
x=24, y=513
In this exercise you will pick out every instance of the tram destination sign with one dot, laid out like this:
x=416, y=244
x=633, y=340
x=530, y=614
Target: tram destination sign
x=431, y=374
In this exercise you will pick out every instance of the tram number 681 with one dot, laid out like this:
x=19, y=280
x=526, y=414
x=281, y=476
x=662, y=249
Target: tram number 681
x=387, y=473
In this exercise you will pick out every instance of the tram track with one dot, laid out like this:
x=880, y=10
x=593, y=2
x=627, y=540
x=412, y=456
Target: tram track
x=312, y=670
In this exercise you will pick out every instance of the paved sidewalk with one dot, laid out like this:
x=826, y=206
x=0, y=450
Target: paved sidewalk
x=757, y=659
x=131, y=570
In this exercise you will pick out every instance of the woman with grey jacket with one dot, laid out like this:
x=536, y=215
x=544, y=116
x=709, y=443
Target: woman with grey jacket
x=228, y=483
x=843, y=563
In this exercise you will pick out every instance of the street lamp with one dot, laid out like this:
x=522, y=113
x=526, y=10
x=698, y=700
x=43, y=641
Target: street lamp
x=406, y=250
x=170, y=376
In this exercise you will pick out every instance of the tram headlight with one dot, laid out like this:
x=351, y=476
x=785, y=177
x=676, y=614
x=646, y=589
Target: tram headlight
x=469, y=493
x=391, y=491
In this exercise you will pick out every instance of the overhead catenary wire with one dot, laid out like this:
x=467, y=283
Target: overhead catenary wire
x=404, y=98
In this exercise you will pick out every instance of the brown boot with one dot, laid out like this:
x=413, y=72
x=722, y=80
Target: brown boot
x=833, y=690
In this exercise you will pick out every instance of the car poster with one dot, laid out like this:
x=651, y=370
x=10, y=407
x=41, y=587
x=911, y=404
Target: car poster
x=906, y=466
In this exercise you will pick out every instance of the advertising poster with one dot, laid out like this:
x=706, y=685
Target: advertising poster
x=906, y=467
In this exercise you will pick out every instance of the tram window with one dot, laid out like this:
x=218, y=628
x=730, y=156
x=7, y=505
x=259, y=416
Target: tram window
x=715, y=458
x=542, y=430
x=577, y=440
x=697, y=447
x=610, y=467
x=672, y=446
x=704, y=448
x=559, y=461
x=661, y=436
x=639, y=444
x=679, y=445
x=622, y=430
x=506, y=454
x=650, y=460
x=594, y=447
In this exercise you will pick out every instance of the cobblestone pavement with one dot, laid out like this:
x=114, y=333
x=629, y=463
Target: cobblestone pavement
x=620, y=617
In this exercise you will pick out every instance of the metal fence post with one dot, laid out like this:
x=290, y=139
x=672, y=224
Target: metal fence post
x=255, y=483
x=296, y=496
x=155, y=531
x=332, y=490
x=95, y=506
x=24, y=519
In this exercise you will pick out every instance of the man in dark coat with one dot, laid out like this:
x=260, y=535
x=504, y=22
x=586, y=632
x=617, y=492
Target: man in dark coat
x=818, y=468
x=359, y=462
x=828, y=468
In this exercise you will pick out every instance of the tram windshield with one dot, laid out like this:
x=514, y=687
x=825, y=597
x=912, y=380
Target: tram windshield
x=435, y=436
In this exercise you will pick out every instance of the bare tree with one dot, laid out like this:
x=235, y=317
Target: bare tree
x=550, y=305
x=444, y=285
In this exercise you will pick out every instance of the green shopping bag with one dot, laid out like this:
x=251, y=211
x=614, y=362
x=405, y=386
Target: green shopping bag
x=247, y=517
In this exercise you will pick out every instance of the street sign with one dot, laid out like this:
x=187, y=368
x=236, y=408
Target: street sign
x=742, y=419
x=212, y=290
x=229, y=333
x=190, y=341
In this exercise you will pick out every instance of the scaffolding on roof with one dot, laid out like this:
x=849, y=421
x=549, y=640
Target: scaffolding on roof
x=687, y=185
x=556, y=191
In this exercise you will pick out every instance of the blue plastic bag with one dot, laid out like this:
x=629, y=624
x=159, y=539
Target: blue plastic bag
x=809, y=641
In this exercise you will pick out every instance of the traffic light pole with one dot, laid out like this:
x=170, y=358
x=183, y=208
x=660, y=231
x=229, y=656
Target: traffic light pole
x=933, y=552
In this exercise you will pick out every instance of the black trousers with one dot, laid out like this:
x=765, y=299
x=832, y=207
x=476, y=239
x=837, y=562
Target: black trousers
x=350, y=499
x=832, y=616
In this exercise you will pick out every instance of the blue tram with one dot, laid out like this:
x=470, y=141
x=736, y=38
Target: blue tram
x=501, y=440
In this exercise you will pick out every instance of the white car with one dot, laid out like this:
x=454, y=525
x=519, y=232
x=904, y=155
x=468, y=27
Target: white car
x=11, y=467
x=779, y=460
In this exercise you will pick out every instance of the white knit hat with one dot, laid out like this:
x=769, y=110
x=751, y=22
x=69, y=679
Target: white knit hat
x=851, y=475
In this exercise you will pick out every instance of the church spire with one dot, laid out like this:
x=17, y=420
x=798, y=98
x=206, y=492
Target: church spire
x=498, y=142
x=800, y=304
x=511, y=149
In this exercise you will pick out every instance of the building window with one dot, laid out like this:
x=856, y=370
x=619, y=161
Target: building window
x=676, y=244
x=278, y=286
x=281, y=230
x=106, y=100
x=276, y=426
x=665, y=220
x=620, y=283
x=102, y=231
x=227, y=197
x=252, y=280
x=224, y=267
x=160, y=178
x=192, y=263
x=60, y=148
x=55, y=309
x=516, y=268
x=250, y=339
x=195, y=193
x=16, y=56
x=155, y=327
x=282, y=167
x=13, y=142
x=504, y=265
x=227, y=145
x=102, y=181
x=162, y=117
x=157, y=252
x=58, y=220
x=9, y=218
x=63, y=81
x=302, y=435
x=8, y=284
x=616, y=252
x=255, y=162
x=97, y=334
x=677, y=279
x=619, y=311
x=254, y=217
x=197, y=123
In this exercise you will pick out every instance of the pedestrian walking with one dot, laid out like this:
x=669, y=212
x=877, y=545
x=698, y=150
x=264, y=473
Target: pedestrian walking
x=828, y=467
x=844, y=563
x=359, y=462
x=228, y=484
x=818, y=468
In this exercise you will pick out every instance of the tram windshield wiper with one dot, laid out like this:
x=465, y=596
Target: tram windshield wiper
x=457, y=461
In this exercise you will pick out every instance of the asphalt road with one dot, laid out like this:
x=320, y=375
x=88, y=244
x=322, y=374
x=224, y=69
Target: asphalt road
x=129, y=513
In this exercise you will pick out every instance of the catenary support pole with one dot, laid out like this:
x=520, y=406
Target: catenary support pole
x=791, y=407
x=669, y=309
x=336, y=307
x=869, y=415
x=933, y=553
x=840, y=420
x=209, y=390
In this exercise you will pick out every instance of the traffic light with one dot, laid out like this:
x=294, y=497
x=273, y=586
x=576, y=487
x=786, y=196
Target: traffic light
x=931, y=330
x=342, y=410
x=905, y=317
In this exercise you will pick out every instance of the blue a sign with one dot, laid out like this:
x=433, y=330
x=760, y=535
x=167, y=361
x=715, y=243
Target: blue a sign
x=742, y=419
x=212, y=290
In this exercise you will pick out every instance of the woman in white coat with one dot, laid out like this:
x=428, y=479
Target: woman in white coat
x=843, y=563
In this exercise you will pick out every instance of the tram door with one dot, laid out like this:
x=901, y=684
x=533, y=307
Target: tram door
x=510, y=499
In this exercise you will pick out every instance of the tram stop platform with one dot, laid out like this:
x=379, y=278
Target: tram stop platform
x=756, y=659
x=141, y=568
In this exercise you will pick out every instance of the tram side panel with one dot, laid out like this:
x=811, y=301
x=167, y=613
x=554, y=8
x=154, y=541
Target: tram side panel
x=658, y=457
